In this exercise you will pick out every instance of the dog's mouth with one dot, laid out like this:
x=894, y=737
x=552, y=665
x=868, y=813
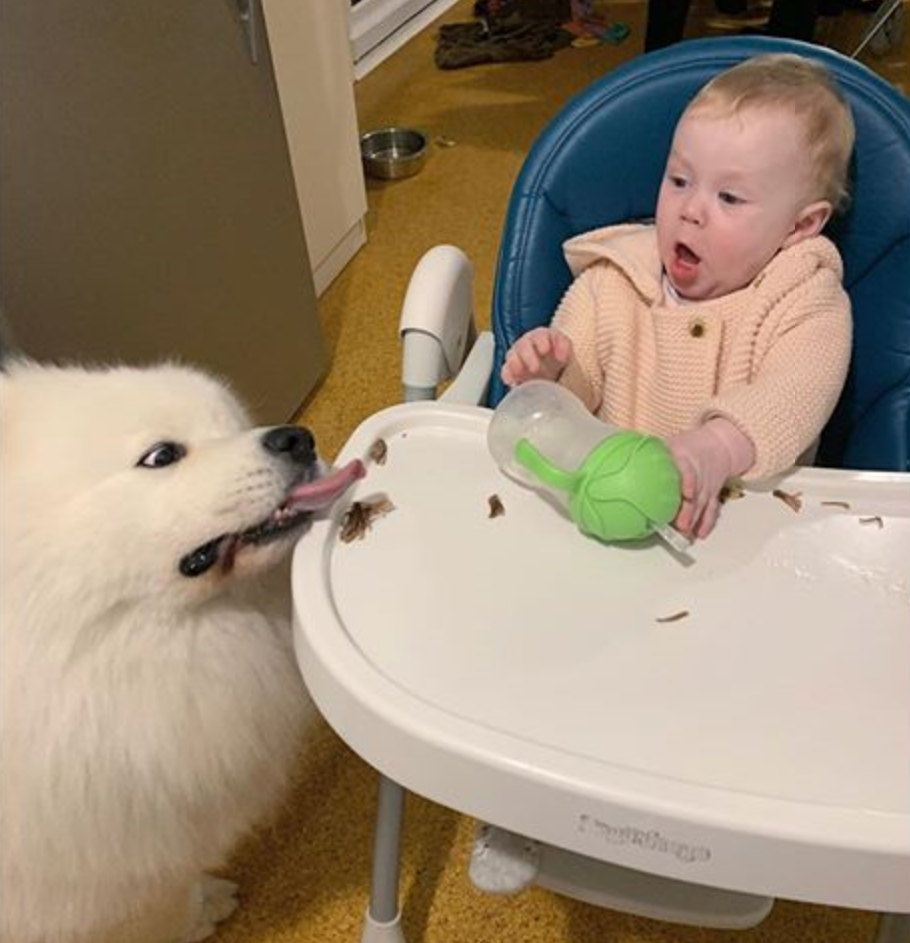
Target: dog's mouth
x=294, y=511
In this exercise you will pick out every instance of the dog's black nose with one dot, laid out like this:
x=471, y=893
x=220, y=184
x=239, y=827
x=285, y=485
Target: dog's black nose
x=295, y=442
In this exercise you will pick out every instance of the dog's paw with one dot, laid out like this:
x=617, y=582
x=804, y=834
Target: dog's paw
x=215, y=900
x=503, y=862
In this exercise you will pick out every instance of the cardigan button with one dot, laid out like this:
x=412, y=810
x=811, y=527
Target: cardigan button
x=697, y=328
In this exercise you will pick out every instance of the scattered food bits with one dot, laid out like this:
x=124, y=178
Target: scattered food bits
x=378, y=452
x=359, y=517
x=731, y=492
x=793, y=501
x=497, y=509
x=675, y=617
x=875, y=519
x=443, y=141
x=837, y=504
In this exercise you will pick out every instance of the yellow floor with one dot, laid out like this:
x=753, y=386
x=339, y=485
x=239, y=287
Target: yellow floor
x=306, y=880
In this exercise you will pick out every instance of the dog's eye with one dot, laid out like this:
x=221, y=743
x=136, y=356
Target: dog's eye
x=164, y=453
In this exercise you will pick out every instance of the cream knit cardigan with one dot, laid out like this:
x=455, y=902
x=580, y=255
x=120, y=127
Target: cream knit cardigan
x=771, y=357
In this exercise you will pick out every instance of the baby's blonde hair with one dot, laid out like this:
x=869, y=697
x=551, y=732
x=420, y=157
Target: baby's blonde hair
x=808, y=89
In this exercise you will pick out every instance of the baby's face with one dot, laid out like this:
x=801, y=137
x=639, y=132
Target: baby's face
x=732, y=192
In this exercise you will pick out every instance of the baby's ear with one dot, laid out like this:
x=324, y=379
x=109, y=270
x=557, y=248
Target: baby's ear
x=810, y=221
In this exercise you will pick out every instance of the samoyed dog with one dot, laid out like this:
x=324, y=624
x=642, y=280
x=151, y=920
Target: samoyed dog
x=152, y=710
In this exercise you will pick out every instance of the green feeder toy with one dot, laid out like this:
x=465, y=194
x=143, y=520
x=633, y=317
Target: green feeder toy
x=617, y=485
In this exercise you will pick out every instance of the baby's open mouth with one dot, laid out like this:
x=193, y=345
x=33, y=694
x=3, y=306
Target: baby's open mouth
x=684, y=265
x=294, y=511
x=685, y=255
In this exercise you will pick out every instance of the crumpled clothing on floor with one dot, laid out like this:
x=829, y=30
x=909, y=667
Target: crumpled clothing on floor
x=591, y=22
x=505, y=31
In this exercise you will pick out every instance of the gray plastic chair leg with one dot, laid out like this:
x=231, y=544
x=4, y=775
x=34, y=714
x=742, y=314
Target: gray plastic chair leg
x=893, y=928
x=386, y=851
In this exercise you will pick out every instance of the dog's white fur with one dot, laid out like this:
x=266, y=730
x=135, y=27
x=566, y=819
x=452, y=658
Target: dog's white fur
x=149, y=720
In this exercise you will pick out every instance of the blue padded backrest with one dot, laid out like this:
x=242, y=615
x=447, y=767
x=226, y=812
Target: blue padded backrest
x=600, y=161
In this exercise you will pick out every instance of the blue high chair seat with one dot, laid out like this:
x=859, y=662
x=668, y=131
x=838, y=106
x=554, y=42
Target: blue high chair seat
x=600, y=161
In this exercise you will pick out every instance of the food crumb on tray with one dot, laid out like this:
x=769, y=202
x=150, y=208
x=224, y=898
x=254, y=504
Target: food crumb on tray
x=731, y=491
x=378, y=452
x=875, y=519
x=675, y=617
x=359, y=517
x=792, y=500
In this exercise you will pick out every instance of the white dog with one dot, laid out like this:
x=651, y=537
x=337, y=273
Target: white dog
x=151, y=706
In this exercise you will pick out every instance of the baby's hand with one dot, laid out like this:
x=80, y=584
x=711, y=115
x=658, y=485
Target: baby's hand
x=541, y=354
x=706, y=457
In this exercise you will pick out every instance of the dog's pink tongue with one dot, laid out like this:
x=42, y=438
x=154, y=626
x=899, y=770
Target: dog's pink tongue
x=320, y=493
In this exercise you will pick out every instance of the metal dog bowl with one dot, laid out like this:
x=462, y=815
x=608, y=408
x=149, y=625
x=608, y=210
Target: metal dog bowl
x=393, y=153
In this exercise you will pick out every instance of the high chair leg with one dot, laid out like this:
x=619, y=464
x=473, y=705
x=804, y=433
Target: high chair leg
x=383, y=917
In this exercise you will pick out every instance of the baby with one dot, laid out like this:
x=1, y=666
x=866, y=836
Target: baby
x=723, y=326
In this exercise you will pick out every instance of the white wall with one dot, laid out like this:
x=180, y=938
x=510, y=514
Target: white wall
x=314, y=73
x=379, y=27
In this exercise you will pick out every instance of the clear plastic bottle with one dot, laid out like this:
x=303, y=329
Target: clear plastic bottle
x=615, y=484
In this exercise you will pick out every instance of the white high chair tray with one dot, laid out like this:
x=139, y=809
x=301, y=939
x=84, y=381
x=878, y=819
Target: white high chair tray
x=517, y=671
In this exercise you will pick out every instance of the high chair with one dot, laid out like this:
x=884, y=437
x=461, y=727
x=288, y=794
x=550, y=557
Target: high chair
x=688, y=743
